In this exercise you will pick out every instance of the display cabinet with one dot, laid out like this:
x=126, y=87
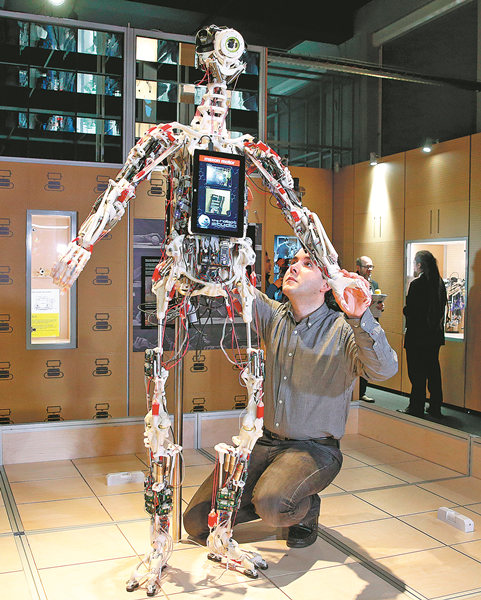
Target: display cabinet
x=51, y=313
x=451, y=256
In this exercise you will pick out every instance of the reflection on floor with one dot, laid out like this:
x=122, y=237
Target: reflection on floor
x=454, y=417
x=65, y=534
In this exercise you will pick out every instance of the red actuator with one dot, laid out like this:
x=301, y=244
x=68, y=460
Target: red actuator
x=212, y=519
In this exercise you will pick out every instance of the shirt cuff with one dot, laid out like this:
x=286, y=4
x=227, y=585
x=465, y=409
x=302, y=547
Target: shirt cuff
x=367, y=322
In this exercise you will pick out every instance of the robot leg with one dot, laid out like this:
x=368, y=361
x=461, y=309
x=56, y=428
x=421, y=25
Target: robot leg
x=158, y=485
x=231, y=474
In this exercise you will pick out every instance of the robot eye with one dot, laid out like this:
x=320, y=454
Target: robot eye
x=232, y=44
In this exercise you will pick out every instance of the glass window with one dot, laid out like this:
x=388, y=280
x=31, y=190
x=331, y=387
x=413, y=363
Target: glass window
x=51, y=315
x=451, y=256
x=63, y=78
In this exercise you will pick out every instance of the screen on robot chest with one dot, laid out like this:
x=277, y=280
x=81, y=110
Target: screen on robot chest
x=218, y=194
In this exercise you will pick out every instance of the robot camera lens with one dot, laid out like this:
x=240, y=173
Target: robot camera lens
x=232, y=44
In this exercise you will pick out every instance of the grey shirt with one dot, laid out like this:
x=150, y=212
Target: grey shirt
x=311, y=366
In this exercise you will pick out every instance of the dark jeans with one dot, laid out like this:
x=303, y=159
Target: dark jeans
x=423, y=366
x=282, y=483
x=362, y=386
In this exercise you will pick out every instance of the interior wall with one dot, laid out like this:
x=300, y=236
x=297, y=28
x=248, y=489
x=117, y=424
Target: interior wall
x=424, y=197
x=78, y=388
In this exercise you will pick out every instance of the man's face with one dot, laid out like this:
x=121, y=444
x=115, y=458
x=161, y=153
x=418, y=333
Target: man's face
x=267, y=264
x=365, y=268
x=303, y=279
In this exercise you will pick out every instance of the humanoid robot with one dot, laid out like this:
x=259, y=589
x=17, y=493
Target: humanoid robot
x=205, y=253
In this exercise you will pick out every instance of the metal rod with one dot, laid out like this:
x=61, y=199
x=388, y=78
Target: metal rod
x=178, y=429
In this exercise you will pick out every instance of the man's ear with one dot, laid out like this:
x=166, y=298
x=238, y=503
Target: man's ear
x=325, y=287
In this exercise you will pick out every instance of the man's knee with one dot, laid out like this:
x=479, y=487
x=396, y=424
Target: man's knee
x=195, y=519
x=279, y=510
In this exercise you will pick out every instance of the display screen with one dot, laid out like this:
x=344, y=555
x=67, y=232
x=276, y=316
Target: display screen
x=218, y=198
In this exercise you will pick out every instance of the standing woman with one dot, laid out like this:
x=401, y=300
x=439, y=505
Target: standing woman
x=425, y=312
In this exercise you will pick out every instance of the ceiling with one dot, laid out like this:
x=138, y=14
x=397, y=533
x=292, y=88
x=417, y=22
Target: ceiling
x=268, y=23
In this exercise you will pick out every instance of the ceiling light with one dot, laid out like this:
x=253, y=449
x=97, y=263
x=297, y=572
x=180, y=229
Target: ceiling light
x=373, y=159
x=428, y=145
x=56, y=2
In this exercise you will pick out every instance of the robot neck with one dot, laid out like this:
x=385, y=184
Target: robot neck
x=210, y=116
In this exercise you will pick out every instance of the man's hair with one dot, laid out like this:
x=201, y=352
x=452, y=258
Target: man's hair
x=359, y=262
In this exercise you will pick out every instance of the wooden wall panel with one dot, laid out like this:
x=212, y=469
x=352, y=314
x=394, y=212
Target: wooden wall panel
x=387, y=259
x=473, y=303
x=442, y=176
x=31, y=388
x=380, y=187
x=395, y=341
x=343, y=218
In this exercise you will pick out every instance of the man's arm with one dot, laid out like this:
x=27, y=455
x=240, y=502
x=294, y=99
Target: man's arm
x=264, y=310
x=367, y=351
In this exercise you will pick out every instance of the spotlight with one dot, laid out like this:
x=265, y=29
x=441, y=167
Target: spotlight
x=427, y=146
x=373, y=158
x=56, y=2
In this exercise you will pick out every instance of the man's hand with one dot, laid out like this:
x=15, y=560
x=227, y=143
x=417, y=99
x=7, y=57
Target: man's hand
x=352, y=293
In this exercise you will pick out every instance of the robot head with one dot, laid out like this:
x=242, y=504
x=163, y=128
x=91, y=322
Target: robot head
x=219, y=51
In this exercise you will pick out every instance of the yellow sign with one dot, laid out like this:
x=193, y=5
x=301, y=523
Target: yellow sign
x=45, y=325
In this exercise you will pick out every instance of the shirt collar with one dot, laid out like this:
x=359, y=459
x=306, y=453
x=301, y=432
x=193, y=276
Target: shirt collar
x=318, y=315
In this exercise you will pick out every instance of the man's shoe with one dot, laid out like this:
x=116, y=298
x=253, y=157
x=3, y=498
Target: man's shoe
x=435, y=413
x=366, y=399
x=408, y=411
x=303, y=534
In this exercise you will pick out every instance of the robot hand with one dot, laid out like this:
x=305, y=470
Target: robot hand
x=352, y=293
x=69, y=266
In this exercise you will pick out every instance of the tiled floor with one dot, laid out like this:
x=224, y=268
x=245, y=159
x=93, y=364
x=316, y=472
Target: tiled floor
x=64, y=533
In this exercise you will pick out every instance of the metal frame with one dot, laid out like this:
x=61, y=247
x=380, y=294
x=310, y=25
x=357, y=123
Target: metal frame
x=440, y=240
x=73, y=290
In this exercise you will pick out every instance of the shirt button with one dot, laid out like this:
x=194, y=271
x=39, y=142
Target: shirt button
x=285, y=377
x=290, y=353
x=277, y=424
x=280, y=401
x=295, y=332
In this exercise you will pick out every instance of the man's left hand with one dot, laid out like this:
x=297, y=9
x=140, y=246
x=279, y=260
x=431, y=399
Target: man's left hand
x=352, y=293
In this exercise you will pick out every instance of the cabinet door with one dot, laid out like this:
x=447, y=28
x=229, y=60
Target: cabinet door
x=451, y=359
x=379, y=227
x=449, y=219
x=452, y=219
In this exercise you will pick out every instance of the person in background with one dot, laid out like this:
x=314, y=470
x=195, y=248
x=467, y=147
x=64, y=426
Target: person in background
x=364, y=268
x=274, y=289
x=267, y=269
x=425, y=313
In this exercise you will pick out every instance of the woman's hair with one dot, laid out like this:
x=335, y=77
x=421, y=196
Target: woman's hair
x=437, y=294
x=429, y=266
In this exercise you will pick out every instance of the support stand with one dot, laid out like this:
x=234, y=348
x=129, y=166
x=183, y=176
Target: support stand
x=180, y=334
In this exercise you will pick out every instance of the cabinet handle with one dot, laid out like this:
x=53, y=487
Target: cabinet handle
x=439, y=212
x=380, y=226
x=374, y=227
x=430, y=221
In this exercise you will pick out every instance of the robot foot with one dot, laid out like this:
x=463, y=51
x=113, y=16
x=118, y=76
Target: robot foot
x=146, y=574
x=235, y=558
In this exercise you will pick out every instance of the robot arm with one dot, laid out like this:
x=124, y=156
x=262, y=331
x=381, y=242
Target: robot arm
x=152, y=149
x=351, y=291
